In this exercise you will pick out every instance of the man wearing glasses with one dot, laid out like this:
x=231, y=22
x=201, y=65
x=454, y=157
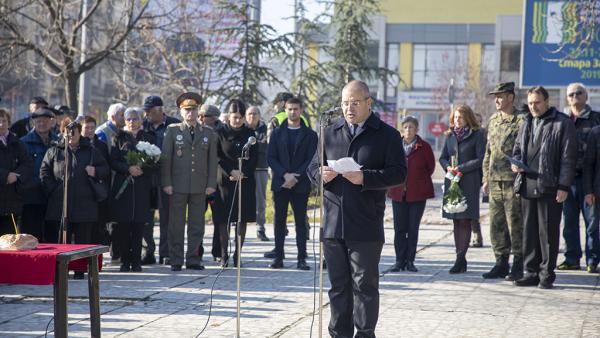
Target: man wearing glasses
x=354, y=204
x=577, y=202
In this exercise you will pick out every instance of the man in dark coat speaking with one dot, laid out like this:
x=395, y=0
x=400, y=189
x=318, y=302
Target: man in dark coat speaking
x=354, y=204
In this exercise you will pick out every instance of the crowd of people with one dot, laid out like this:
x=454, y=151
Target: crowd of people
x=538, y=166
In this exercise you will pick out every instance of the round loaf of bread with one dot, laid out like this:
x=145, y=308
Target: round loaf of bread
x=18, y=242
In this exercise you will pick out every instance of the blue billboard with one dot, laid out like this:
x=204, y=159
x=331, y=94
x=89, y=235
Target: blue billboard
x=561, y=43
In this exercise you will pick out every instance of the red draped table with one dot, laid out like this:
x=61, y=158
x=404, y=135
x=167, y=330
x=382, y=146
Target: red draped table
x=49, y=264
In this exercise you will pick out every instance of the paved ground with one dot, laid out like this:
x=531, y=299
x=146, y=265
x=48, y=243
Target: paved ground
x=280, y=303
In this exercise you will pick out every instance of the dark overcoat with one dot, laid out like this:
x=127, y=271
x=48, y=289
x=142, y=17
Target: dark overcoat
x=134, y=203
x=82, y=205
x=36, y=148
x=13, y=158
x=229, y=148
x=281, y=161
x=355, y=212
x=469, y=153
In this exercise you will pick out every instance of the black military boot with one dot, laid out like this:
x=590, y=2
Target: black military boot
x=516, y=271
x=500, y=270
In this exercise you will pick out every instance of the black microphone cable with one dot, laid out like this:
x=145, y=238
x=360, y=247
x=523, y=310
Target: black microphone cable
x=223, y=264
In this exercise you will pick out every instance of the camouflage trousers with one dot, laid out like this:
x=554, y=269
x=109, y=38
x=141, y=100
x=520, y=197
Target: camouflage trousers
x=506, y=221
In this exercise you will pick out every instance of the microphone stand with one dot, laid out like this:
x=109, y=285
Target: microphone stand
x=325, y=119
x=238, y=235
x=65, y=210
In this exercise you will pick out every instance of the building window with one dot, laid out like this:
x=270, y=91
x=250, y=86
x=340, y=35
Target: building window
x=488, y=64
x=392, y=63
x=435, y=65
x=510, y=56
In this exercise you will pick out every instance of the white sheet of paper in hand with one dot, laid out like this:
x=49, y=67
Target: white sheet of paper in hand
x=344, y=165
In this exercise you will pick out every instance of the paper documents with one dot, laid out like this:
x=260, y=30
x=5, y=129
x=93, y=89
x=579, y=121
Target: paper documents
x=344, y=165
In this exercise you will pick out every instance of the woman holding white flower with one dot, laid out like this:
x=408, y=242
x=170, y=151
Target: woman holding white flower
x=462, y=158
x=131, y=188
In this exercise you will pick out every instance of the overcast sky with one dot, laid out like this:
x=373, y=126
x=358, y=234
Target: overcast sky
x=279, y=13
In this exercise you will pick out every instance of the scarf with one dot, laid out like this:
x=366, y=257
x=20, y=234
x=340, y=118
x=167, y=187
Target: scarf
x=408, y=147
x=461, y=133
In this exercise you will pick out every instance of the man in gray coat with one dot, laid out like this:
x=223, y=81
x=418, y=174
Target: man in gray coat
x=189, y=173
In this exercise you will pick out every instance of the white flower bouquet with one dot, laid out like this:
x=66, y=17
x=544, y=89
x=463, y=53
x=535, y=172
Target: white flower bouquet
x=145, y=155
x=454, y=200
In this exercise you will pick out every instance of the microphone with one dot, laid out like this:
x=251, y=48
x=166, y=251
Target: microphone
x=78, y=120
x=251, y=141
x=331, y=111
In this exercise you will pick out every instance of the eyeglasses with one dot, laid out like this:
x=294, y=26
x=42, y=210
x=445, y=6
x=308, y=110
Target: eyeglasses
x=354, y=103
x=573, y=94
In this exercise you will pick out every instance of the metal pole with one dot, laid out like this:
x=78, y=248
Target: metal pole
x=65, y=210
x=238, y=237
x=83, y=78
x=321, y=222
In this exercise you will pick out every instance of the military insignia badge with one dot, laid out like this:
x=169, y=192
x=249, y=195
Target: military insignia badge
x=205, y=139
x=179, y=152
x=179, y=137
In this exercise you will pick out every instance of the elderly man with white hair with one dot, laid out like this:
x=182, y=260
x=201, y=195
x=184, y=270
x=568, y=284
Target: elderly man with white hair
x=115, y=122
x=585, y=119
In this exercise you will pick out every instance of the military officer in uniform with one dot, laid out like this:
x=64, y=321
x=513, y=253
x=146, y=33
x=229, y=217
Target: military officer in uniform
x=506, y=224
x=189, y=173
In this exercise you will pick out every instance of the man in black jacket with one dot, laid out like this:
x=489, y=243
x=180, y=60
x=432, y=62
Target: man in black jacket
x=157, y=121
x=585, y=119
x=16, y=169
x=354, y=203
x=547, y=145
x=292, y=147
x=25, y=125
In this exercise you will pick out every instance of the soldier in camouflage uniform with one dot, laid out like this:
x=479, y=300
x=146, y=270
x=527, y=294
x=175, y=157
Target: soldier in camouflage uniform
x=506, y=224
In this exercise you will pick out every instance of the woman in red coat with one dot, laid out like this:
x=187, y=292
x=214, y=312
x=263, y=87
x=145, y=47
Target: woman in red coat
x=408, y=199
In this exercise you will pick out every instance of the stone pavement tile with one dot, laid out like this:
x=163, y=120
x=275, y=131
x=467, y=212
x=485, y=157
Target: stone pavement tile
x=279, y=303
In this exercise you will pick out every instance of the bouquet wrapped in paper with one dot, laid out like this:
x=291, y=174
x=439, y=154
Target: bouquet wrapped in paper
x=145, y=155
x=454, y=201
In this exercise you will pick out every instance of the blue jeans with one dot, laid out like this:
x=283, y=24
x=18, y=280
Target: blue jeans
x=573, y=205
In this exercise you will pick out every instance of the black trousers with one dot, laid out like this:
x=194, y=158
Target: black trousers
x=407, y=219
x=80, y=233
x=354, y=294
x=163, y=213
x=541, y=234
x=148, y=236
x=33, y=222
x=299, y=201
x=129, y=239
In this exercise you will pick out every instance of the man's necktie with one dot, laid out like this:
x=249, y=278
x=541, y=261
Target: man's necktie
x=354, y=129
x=192, y=132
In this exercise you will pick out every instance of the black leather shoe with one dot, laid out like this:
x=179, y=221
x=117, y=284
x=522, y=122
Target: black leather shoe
x=148, y=260
x=410, y=266
x=176, y=267
x=272, y=254
x=78, y=275
x=124, y=268
x=527, y=281
x=136, y=268
x=260, y=234
x=276, y=264
x=544, y=284
x=498, y=271
x=302, y=265
x=397, y=267
x=194, y=267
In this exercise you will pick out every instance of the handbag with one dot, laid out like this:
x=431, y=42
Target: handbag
x=98, y=187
